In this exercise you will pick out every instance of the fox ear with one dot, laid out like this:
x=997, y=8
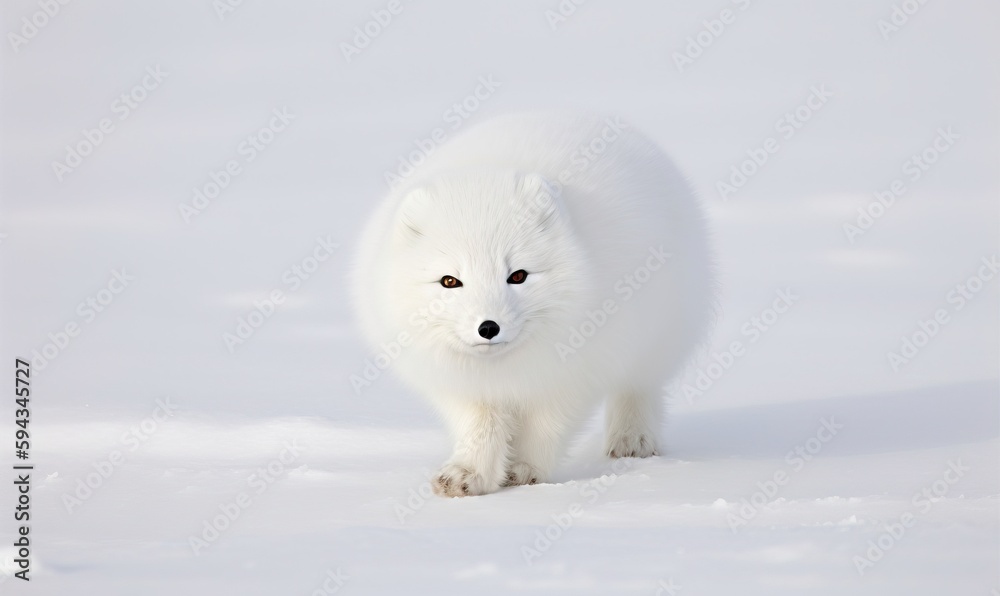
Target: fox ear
x=411, y=212
x=541, y=200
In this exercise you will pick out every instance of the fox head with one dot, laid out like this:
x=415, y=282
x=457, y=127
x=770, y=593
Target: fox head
x=483, y=260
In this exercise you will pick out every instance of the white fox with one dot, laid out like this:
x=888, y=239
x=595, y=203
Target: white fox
x=533, y=266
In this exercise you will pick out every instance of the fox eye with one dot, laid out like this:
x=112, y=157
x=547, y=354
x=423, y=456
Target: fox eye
x=450, y=282
x=517, y=277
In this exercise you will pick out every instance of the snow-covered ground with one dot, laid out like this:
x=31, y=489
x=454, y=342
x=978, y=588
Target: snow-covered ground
x=813, y=463
x=761, y=499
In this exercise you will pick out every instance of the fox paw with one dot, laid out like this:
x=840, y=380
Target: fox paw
x=631, y=445
x=453, y=480
x=521, y=473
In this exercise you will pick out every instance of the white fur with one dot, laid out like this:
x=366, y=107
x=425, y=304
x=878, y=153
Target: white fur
x=520, y=192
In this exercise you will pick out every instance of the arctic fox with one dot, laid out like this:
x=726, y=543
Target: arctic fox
x=529, y=268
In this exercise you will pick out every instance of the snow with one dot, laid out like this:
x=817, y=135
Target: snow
x=347, y=503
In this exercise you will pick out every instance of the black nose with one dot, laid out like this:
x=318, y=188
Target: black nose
x=489, y=329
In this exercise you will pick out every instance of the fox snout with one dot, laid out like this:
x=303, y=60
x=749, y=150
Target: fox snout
x=489, y=329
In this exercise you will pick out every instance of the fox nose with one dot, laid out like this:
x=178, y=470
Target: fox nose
x=489, y=329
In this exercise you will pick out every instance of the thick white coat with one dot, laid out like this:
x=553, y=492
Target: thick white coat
x=619, y=289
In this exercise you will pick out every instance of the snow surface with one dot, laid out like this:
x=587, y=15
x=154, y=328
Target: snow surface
x=354, y=500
